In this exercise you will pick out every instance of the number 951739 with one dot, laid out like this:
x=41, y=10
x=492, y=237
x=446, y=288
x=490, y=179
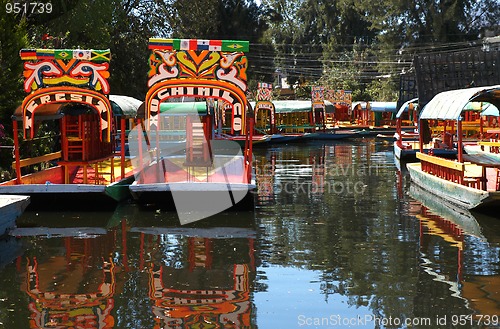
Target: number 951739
x=27, y=8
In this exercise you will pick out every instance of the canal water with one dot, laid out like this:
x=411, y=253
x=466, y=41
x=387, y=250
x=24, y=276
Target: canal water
x=340, y=239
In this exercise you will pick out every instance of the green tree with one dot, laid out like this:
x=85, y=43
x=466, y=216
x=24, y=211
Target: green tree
x=12, y=39
x=315, y=40
x=226, y=19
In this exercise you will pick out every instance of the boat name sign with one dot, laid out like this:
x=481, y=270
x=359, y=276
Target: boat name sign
x=206, y=92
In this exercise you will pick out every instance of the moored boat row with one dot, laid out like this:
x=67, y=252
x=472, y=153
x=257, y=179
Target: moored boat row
x=472, y=180
x=194, y=136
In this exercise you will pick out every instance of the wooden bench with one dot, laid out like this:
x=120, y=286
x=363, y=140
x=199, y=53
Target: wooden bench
x=444, y=168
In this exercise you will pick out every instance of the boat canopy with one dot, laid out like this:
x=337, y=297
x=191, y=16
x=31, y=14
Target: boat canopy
x=490, y=110
x=376, y=106
x=49, y=111
x=292, y=106
x=301, y=106
x=383, y=106
x=406, y=105
x=330, y=107
x=449, y=105
x=124, y=105
x=177, y=108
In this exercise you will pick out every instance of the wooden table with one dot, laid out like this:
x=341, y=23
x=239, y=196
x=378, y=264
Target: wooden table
x=484, y=161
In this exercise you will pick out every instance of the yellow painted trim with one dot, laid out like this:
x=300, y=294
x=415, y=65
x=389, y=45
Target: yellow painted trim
x=441, y=161
x=487, y=143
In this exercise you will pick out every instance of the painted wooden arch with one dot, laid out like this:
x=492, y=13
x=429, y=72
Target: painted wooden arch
x=318, y=104
x=52, y=309
x=264, y=100
x=200, y=89
x=66, y=75
x=93, y=99
x=182, y=306
x=201, y=69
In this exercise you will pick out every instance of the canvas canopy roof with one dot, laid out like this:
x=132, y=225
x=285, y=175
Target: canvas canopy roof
x=289, y=106
x=383, y=106
x=124, y=105
x=449, y=105
x=177, y=108
x=330, y=107
x=490, y=110
x=406, y=105
x=292, y=106
x=376, y=106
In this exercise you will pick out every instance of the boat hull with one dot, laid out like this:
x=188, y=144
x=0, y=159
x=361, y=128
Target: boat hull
x=160, y=194
x=195, y=201
x=286, y=138
x=64, y=196
x=461, y=196
x=462, y=217
x=331, y=135
x=11, y=207
x=411, y=154
x=256, y=140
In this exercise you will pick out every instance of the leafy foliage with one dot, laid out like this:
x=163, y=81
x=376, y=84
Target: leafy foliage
x=343, y=44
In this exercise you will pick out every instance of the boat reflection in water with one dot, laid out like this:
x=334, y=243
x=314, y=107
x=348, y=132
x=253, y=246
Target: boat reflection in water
x=202, y=275
x=72, y=288
x=141, y=271
x=455, y=250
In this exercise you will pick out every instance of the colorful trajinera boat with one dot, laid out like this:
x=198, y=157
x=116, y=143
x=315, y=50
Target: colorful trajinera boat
x=473, y=180
x=68, y=108
x=321, y=118
x=265, y=115
x=181, y=161
x=406, y=143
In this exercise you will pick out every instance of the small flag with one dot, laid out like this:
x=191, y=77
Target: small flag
x=203, y=45
x=166, y=44
x=100, y=55
x=63, y=54
x=27, y=54
x=45, y=53
x=82, y=54
x=189, y=44
x=232, y=45
x=215, y=45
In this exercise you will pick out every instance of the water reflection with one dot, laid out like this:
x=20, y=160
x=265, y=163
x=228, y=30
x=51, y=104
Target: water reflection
x=209, y=286
x=314, y=250
x=141, y=271
x=460, y=251
x=75, y=286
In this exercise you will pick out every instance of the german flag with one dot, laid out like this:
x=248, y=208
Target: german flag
x=28, y=54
